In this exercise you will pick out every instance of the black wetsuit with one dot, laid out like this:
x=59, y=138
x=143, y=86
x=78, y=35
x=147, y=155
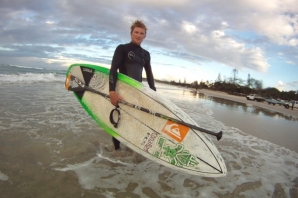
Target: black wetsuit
x=130, y=59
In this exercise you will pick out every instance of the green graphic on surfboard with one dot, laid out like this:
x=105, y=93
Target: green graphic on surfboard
x=176, y=155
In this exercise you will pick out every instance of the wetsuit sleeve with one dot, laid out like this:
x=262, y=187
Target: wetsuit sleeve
x=149, y=73
x=116, y=64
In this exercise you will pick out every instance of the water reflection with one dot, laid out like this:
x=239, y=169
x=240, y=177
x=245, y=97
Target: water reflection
x=238, y=106
x=228, y=104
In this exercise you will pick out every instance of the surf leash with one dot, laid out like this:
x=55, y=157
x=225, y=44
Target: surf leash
x=115, y=123
x=74, y=84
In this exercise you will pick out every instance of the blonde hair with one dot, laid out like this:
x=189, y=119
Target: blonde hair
x=138, y=23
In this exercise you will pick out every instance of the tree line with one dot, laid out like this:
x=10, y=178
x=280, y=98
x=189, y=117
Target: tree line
x=237, y=86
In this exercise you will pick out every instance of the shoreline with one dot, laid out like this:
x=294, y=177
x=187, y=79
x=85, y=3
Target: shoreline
x=242, y=99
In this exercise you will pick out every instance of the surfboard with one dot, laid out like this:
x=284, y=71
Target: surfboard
x=169, y=142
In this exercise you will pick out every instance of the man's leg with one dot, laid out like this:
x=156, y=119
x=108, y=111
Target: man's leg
x=116, y=143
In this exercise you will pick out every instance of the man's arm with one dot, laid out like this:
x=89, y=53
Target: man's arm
x=149, y=73
x=116, y=64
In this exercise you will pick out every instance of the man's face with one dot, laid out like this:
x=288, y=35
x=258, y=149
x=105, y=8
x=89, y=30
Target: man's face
x=137, y=35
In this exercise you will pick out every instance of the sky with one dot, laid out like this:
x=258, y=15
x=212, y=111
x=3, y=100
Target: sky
x=189, y=40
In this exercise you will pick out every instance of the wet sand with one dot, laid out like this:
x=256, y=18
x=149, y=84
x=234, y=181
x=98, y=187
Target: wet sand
x=242, y=99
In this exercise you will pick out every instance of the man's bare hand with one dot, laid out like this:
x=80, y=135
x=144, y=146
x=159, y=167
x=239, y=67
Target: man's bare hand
x=114, y=97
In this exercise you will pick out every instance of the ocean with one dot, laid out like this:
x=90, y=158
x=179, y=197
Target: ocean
x=49, y=147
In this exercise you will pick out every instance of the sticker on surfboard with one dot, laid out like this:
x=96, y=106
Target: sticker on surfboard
x=175, y=131
x=175, y=154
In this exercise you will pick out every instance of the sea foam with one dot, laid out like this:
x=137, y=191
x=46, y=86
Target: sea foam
x=30, y=78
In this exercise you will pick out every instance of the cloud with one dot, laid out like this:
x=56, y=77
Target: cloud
x=277, y=28
x=240, y=34
x=280, y=85
x=293, y=85
x=188, y=27
x=287, y=86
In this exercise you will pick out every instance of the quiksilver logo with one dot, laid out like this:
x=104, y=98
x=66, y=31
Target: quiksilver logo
x=173, y=128
x=176, y=131
x=131, y=55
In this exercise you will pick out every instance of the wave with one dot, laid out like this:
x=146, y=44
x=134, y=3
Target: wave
x=19, y=78
x=22, y=67
x=13, y=69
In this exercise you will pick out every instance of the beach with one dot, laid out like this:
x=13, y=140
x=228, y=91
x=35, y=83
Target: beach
x=50, y=147
x=242, y=99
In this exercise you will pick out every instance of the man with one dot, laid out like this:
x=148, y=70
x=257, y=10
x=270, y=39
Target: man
x=293, y=103
x=130, y=59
